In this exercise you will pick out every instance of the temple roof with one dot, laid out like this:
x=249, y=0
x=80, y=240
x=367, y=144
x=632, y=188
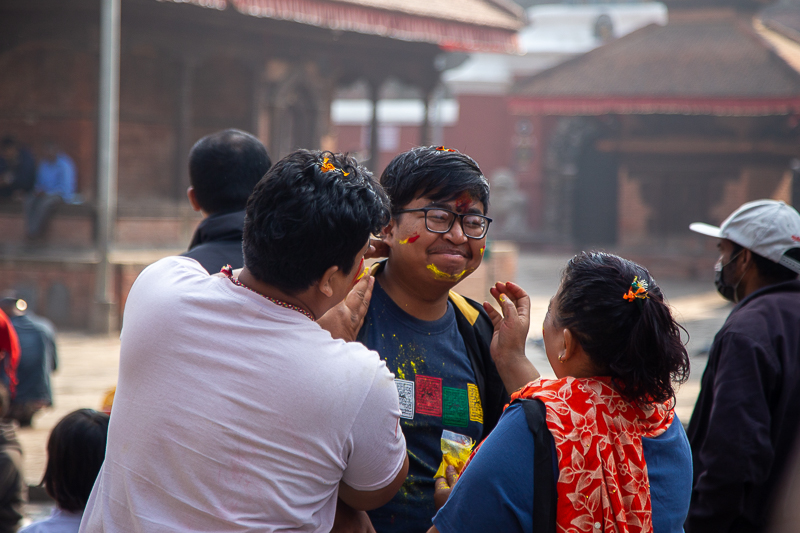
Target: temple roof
x=783, y=18
x=693, y=65
x=469, y=25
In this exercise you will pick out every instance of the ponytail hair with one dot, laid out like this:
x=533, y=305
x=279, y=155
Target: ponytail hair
x=635, y=341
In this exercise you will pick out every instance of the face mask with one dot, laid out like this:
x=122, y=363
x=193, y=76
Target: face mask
x=727, y=290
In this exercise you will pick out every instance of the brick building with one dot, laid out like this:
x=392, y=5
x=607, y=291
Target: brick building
x=187, y=68
x=472, y=114
x=663, y=127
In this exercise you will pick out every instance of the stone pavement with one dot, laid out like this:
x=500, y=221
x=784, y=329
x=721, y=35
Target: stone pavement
x=87, y=367
x=88, y=364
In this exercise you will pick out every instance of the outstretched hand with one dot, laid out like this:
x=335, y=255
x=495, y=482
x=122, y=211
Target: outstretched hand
x=443, y=486
x=345, y=319
x=510, y=334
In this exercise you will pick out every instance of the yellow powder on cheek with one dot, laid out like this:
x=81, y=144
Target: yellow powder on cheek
x=438, y=274
x=410, y=240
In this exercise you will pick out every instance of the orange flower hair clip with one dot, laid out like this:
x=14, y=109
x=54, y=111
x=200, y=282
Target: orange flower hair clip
x=326, y=166
x=637, y=290
x=443, y=149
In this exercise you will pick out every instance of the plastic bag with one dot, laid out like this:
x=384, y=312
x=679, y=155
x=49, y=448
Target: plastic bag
x=456, y=449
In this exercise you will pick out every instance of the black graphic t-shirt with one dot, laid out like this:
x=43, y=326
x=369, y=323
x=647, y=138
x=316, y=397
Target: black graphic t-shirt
x=437, y=391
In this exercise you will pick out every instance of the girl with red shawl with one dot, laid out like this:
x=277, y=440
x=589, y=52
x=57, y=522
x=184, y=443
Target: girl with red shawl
x=599, y=448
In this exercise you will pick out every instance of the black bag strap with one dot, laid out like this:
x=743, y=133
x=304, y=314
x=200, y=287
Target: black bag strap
x=544, y=482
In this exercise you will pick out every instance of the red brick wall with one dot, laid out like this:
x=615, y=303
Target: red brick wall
x=48, y=92
x=78, y=278
x=485, y=131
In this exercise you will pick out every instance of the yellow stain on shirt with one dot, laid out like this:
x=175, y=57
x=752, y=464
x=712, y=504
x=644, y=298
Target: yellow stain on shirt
x=438, y=274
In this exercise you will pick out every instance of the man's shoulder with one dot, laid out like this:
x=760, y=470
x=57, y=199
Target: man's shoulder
x=167, y=278
x=172, y=265
x=759, y=316
x=470, y=311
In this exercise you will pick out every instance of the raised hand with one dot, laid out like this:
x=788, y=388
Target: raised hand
x=510, y=334
x=345, y=319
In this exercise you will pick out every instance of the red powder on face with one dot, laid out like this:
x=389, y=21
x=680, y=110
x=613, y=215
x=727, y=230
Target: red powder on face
x=413, y=239
x=463, y=202
x=359, y=272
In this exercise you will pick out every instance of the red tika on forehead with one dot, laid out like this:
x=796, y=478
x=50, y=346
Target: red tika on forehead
x=463, y=202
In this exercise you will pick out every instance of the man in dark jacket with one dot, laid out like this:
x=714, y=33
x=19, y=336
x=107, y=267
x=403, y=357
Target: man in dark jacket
x=435, y=341
x=17, y=168
x=745, y=422
x=223, y=169
x=37, y=359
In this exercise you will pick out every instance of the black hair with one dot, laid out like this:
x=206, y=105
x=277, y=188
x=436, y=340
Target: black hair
x=637, y=343
x=768, y=270
x=224, y=167
x=441, y=174
x=303, y=219
x=75, y=452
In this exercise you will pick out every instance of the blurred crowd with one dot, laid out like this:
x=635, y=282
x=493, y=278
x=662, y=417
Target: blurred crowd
x=40, y=185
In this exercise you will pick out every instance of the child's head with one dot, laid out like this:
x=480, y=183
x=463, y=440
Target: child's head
x=75, y=452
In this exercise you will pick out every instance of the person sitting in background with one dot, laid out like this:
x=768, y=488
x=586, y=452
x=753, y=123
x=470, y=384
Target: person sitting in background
x=75, y=451
x=17, y=168
x=223, y=169
x=622, y=458
x=55, y=184
x=13, y=490
x=37, y=359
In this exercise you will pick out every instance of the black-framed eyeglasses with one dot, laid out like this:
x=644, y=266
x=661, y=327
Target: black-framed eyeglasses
x=438, y=220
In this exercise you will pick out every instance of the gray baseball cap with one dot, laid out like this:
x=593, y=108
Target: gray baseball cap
x=767, y=227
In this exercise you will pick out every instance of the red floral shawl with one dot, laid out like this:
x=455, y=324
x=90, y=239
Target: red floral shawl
x=602, y=483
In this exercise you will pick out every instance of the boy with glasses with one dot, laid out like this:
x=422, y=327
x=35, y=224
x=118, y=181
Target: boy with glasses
x=435, y=341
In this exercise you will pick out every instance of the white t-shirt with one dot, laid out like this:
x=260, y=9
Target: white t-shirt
x=59, y=521
x=235, y=414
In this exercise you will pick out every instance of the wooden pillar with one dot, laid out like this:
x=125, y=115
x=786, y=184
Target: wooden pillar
x=425, y=128
x=374, y=138
x=104, y=319
x=256, y=100
x=795, y=164
x=183, y=129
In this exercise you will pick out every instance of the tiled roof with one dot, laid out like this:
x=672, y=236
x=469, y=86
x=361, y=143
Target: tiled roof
x=472, y=25
x=684, y=63
x=783, y=18
x=496, y=14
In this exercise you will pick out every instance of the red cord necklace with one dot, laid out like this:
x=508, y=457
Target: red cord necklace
x=228, y=271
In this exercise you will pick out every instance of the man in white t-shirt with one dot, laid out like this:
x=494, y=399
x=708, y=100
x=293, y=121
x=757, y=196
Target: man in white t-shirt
x=235, y=411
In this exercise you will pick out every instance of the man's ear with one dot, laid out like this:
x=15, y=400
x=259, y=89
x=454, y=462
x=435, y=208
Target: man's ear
x=326, y=281
x=747, y=257
x=387, y=233
x=193, y=199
